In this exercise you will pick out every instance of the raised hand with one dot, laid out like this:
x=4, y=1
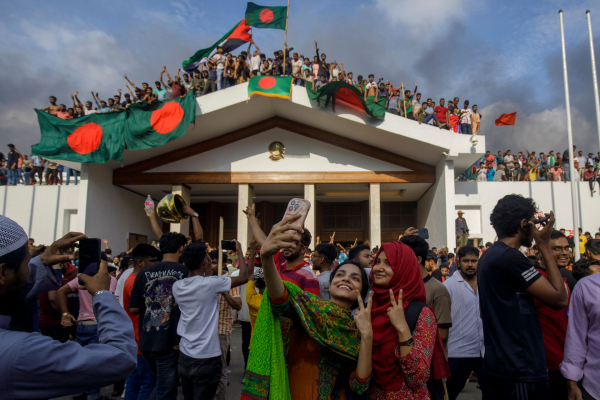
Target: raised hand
x=125, y=76
x=542, y=236
x=279, y=239
x=55, y=253
x=253, y=245
x=120, y=91
x=362, y=318
x=250, y=211
x=410, y=231
x=76, y=93
x=396, y=313
x=100, y=281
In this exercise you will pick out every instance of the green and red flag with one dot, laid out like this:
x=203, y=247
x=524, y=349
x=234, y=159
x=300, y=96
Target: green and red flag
x=265, y=16
x=152, y=125
x=231, y=41
x=95, y=138
x=350, y=96
x=271, y=86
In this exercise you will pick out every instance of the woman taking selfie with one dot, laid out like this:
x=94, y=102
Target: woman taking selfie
x=328, y=353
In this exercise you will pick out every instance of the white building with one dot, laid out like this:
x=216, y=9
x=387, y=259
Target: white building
x=366, y=179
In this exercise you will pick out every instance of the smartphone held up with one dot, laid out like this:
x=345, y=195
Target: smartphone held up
x=295, y=207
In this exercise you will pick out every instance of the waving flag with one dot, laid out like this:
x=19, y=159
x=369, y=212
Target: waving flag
x=506, y=119
x=266, y=17
x=231, y=41
x=271, y=86
x=152, y=125
x=95, y=138
x=350, y=96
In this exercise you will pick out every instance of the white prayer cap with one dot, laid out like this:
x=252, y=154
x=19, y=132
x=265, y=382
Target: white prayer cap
x=12, y=236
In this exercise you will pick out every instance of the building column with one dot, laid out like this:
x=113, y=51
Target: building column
x=245, y=199
x=375, y=214
x=309, y=194
x=183, y=191
x=450, y=204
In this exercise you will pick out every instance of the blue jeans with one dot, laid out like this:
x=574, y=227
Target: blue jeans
x=19, y=174
x=88, y=335
x=12, y=176
x=27, y=178
x=69, y=172
x=164, y=366
x=566, y=170
x=466, y=129
x=429, y=118
x=141, y=382
x=220, y=79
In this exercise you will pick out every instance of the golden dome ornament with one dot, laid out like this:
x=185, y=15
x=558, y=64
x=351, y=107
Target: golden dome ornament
x=276, y=151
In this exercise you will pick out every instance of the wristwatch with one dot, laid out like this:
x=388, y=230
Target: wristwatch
x=408, y=342
x=64, y=314
x=195, y=215
x=100, y=292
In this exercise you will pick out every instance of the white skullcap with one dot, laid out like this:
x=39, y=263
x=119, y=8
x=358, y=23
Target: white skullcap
x=12, y=236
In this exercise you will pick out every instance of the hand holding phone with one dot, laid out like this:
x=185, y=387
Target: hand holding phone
x=295, y=207
x=89, y=256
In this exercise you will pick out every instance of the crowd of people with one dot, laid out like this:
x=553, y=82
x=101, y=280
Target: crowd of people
x=399, y=321
x=224, y=70
x=532, y=167
x=17, y=168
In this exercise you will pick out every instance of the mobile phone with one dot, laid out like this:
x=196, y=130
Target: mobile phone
x=228, y=245
x=423, y=233
x=89, y=256
x=541, y=220
x=295, y=207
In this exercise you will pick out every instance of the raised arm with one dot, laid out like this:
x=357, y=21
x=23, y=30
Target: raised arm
x=131, y=83
x=242, y=278
x=74, y=104
x=155, y=228
x=97, y=101
x=251, y=256
x=167, y=72
x=130, y=92
x=105, y=241
x=120, y=94
x=258, y=234
x=161, y=78
x=198, y=232
x=77, y=100
x=255, y=45
x=277, y=240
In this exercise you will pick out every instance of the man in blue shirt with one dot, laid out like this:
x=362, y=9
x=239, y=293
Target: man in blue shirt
x=35, y=366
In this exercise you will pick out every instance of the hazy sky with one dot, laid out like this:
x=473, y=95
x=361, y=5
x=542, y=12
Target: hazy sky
x=504, y=56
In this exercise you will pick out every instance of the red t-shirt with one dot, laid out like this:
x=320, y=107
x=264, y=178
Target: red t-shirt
x=301, y=275
x=588, y=175
x=133, y=317
x=554, y=330
x=47, y=316
x=178, y=90
x=440, y=113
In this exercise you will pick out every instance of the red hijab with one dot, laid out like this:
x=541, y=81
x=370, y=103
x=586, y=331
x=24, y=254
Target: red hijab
x=407, y=276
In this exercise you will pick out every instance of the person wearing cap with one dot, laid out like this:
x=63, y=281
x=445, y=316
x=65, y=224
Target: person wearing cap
x=88, y=109
x=462, y=229
x=35, y=366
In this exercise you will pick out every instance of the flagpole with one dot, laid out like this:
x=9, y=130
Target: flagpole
x=287, y=15
x=594, y=76
x=575, y=204
x=403, y=99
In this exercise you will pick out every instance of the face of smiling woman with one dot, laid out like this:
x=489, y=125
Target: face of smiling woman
x=382, y=270
x=346, y=281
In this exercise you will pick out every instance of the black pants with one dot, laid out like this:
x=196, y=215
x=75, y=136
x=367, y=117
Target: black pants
x=56, y=332
x=460, y=369
x=163, y=365
x=502, y=389
x=246, y=335
x=39, y=171
x=52, y=172
x=199, y=377
x=558, y=385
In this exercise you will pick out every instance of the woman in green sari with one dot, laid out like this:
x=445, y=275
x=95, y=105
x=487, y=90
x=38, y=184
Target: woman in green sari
x=327, y=352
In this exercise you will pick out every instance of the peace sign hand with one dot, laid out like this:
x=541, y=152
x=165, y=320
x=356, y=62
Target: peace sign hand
x=396, y=313
x=362, y=318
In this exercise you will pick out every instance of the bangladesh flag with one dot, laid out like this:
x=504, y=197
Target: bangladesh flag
x=95, y=138
x=271, y=86
x=350, y=96
x=231, y=41
x=266, y=17
x=152, y=125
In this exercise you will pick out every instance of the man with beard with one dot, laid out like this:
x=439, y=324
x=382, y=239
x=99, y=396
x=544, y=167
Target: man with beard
x=514, y=359
x=362, y=254
x=465, y=339
x=323, y=256
x=53, y=108
x=33, y=365
x=554, y=322
x=290, y=261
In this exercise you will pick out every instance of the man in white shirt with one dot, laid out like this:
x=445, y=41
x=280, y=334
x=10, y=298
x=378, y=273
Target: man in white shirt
x=255, y=61
x=198, y=295
x=296, y=70
x=465, y=339
x=219, y=59
x=465, y=119
x=509, y=160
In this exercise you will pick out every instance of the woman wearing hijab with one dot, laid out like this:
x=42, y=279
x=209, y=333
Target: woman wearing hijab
x=401, y=356
x=327, y=353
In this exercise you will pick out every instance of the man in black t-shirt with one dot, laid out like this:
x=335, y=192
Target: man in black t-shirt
x=508, y=284
x=152, y=298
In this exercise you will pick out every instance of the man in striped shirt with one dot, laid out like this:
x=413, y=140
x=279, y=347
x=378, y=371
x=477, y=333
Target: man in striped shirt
x=465, y=339
x=289, y=261
x=227, y=303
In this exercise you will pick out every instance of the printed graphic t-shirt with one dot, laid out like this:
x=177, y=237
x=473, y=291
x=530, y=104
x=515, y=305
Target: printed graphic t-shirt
x=159, y=314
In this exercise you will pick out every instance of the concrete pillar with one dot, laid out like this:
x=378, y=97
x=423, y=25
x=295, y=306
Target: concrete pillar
x=309, y=194
x=245, y=199
x=183, y=191
x=375, y=214
x=450, y=204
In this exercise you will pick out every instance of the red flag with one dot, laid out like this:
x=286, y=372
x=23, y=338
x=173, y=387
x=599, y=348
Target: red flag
x=506, y=119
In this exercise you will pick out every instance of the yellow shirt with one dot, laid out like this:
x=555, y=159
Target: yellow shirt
x=253, y=299
x=582, y=242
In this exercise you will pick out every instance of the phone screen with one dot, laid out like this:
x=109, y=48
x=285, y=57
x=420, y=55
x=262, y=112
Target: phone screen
x=228, y=245
x=89, y=256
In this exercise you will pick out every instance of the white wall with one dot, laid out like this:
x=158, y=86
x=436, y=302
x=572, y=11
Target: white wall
x=435, y=207
x=478, y=199
x=108, y=211
x=46, y=213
